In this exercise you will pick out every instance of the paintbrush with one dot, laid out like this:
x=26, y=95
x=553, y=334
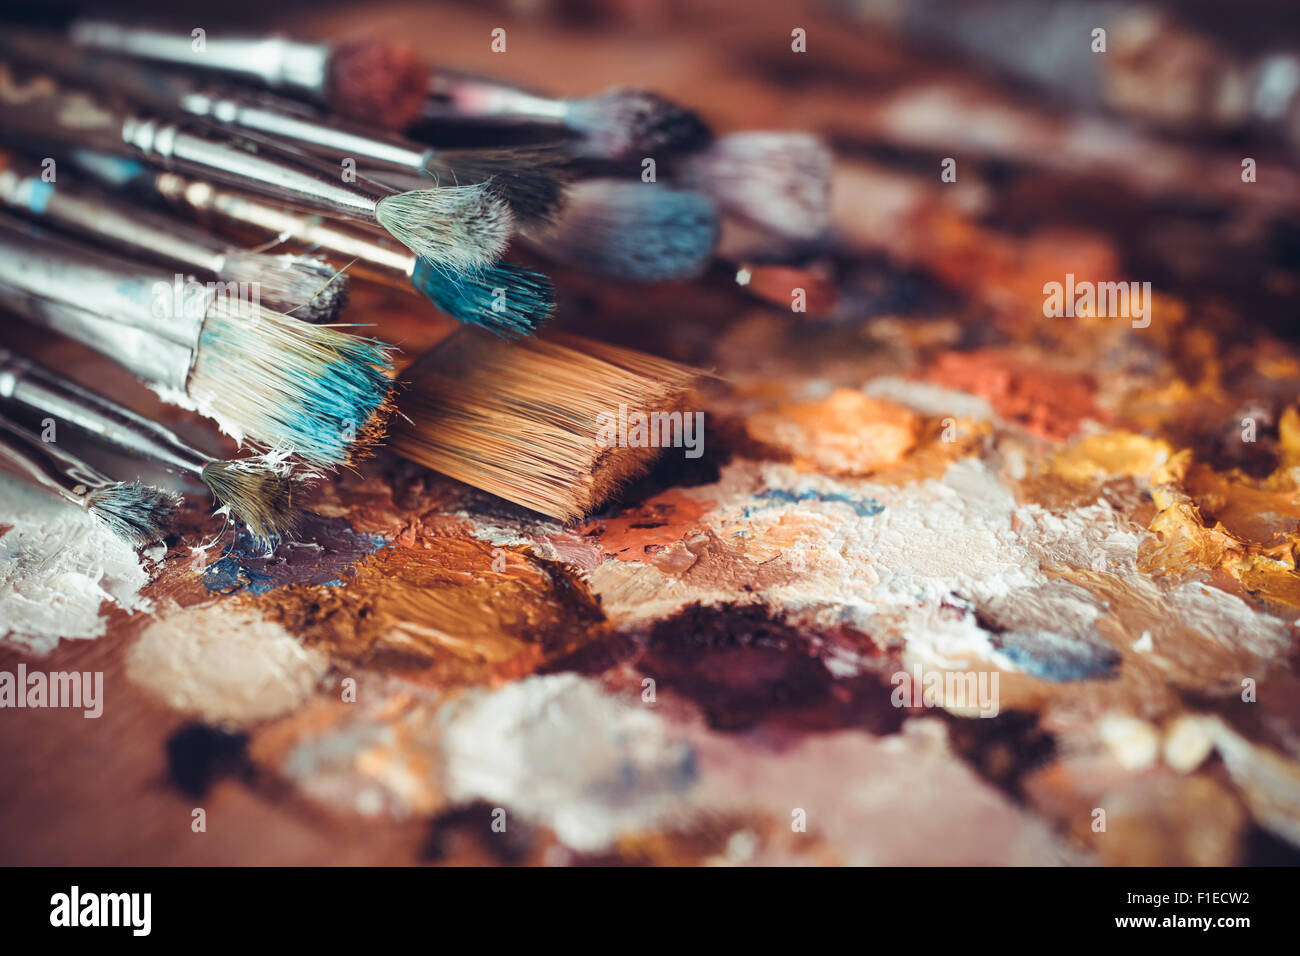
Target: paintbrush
x=139, y=513
x=372, y=80
x=257, y=491
x=529, y=178
x=503, y=299
x=778, y=182
x=632, y=230
x=523, y=420
x=310, y=391
x=619, y=124
x=462, y=227
x=304, y=287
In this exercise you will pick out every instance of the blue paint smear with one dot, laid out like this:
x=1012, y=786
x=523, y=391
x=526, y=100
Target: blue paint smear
x=1058, y=658
x=319, y=554
x=864, y=507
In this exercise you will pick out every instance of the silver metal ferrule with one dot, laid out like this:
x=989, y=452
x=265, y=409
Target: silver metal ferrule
x=151, y=359
x=277, y=62
x=288, y=177
x=48, y=465
x=374, y=256
x=333, y=139
x=25, y=383
x=473, y=96
x=111, y=221
x=168, y=306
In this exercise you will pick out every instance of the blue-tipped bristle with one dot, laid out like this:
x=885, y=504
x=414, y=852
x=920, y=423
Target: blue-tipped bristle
x=634, y=231
x=505, y=300
x=314, y=390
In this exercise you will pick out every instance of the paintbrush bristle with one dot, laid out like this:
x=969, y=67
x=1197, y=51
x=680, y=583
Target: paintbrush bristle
x=634, y=230
x=137, y=512
x=282, y=383
x=505, y=300
x=307, y=288
x=632, y=124
x=462, y=227
x=378, y=81
x=529, y=179
x=259, y=493
x=777, y=181
x=522, y=420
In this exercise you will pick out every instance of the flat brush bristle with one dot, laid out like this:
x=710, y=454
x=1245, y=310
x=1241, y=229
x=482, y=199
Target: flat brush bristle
x=505, y=300
x=139, y=513
x=523, y=420
x=257, y=493
x=306, y=288
x=630, y=124
x=281, y=383
x=379, y=82
x=778, y=181
x=634, y=230
x=462, y=227
x=529, y=179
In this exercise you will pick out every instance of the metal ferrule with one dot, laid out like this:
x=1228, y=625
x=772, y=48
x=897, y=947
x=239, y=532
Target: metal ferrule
x=335, y=139
x=55, y=269
x=48, y=465
x=25, y=383
x=274, y=61
x=113, y=222
x=287, y=177
x=148, y=357
x=476, y=96
x=373, y=256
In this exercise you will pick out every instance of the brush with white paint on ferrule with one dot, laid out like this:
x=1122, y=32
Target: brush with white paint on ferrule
x=258, y=491
x=139, y=513
x=318, y=394
x=305, y=287
x=460, y=227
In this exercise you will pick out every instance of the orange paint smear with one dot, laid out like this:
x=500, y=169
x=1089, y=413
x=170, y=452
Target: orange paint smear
x=846, y=433
x=1047, y=403
x=639, y=533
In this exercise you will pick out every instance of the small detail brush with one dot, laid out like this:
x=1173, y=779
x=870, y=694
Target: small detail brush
x=283, y=384
x=619, y=124
x=522, y=420
x=778, y=182
x=372, y=80
x=139, y=513
x=257, y=491
x=632, y=230
x=503, y=299
x=463, y=227
x=304, y=287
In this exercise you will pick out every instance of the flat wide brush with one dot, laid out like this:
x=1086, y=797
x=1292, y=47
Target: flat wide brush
x=522, y=420
x=463, y=227
x=305, y=287
x=285, y=385
x=139, y=513
x=505, y=300
x=256, y=491
x=372, y=80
